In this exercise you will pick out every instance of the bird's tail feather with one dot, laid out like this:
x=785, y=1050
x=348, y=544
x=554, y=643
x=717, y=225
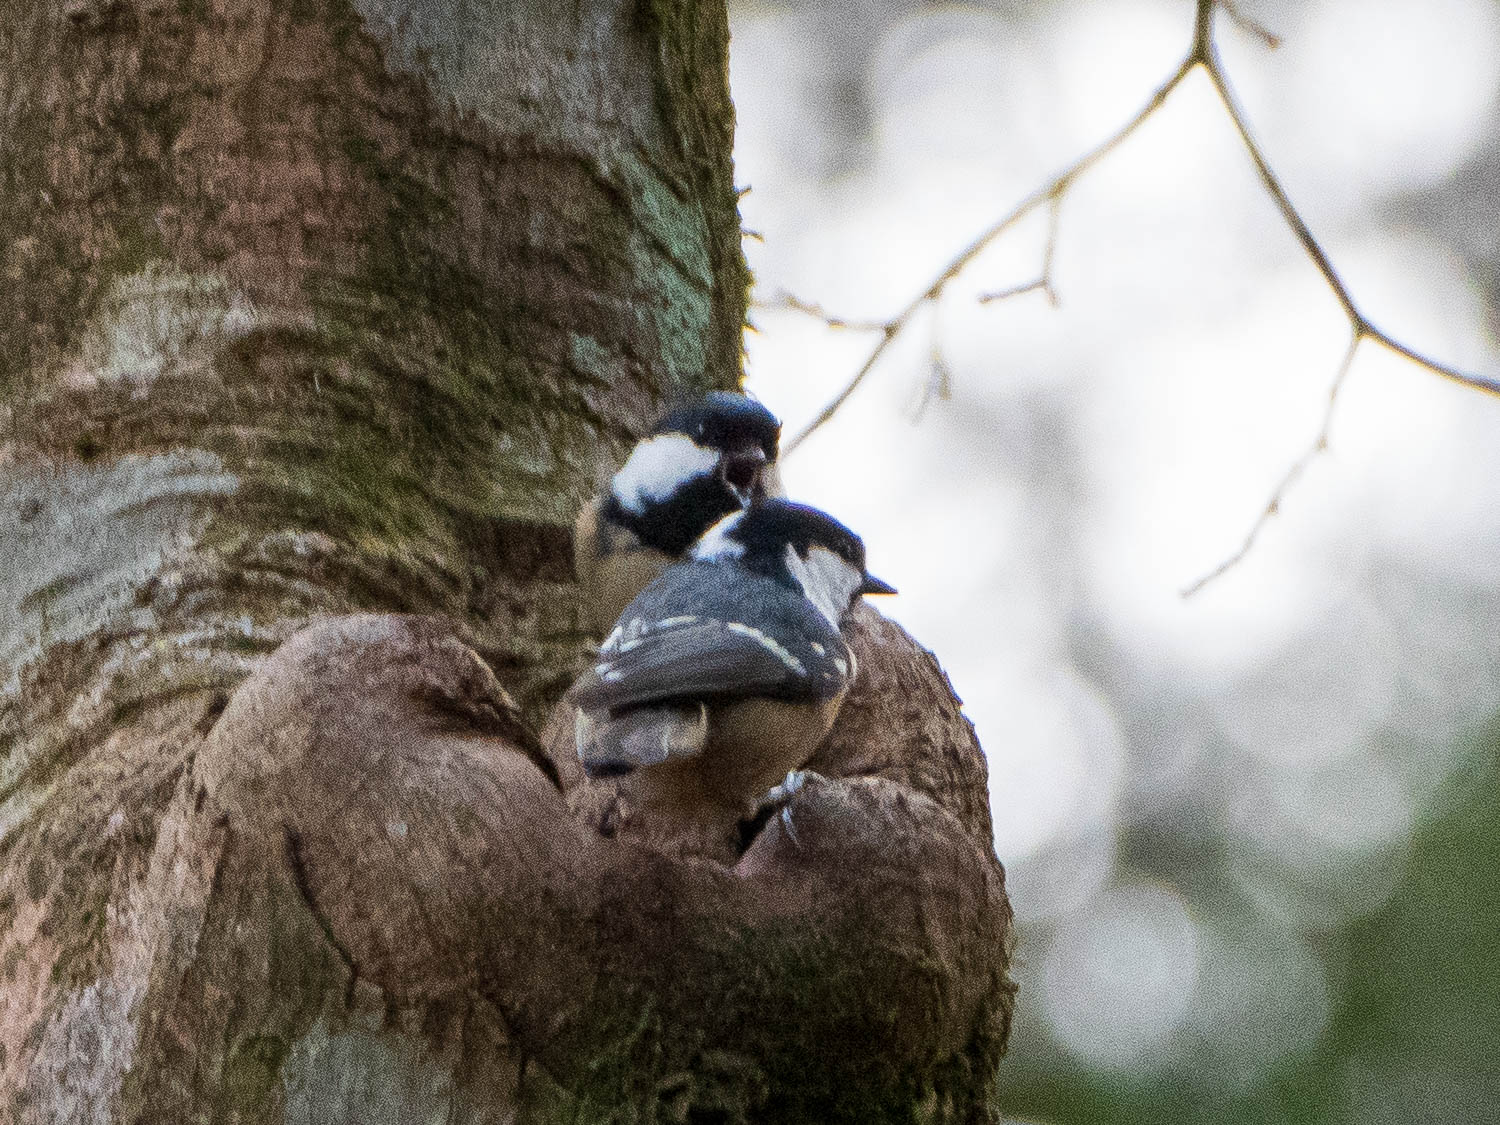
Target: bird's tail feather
x=645, y=736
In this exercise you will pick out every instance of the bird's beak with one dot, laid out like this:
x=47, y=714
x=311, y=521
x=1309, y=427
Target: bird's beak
x=740, y=468
x=873, y=585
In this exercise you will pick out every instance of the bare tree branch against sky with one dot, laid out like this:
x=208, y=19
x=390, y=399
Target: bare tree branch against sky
x=1273, y=800
x=1203, y=53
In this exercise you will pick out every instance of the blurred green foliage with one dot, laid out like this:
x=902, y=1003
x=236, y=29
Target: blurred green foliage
x=1415, y=1035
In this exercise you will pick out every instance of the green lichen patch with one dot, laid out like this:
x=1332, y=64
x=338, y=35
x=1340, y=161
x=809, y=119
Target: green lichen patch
x=252, y=1070
x=672, y=262
x=378, y=1076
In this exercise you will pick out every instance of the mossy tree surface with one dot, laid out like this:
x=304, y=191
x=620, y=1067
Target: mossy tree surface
x=316, y=306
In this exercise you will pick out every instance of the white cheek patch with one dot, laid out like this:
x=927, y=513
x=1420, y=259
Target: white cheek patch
x=659, y=466
x=826, y=580
x=716, y=542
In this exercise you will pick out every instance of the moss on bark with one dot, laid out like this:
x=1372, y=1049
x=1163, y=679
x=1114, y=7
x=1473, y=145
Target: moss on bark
x=315, y=306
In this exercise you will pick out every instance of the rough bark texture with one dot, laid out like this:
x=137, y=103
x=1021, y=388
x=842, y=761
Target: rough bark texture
x=314, y=306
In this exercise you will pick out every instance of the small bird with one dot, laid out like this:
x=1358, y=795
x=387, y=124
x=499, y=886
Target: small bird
x=704, y=460
x=727, y=671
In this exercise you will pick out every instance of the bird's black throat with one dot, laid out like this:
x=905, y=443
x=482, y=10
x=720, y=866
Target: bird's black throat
x=674, y=524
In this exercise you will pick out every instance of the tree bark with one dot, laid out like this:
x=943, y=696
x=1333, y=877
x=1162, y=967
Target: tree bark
x=311, y=307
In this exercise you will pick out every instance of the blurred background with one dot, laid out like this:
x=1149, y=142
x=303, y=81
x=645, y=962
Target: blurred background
x=1253, y=835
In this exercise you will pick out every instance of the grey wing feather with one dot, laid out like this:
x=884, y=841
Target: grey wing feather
x=700, y=658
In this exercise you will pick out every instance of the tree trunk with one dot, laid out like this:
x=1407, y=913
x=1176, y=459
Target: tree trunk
x=309, y=307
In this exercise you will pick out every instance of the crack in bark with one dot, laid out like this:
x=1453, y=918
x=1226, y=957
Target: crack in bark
x=295, y=863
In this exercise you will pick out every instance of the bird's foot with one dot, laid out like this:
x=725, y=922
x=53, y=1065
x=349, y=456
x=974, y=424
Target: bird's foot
x=778, y=800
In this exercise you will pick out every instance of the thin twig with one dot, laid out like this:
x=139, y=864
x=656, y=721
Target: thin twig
x=1049, y=251
x=1044, y=194
x=788, y=302
x=1250, y=24
x=939, y=381
x=1043, y=280
x=1204, y=53
x=1319, y=445
x=1463, y=378
x=1269, y=181
x=1017, y=290
x=1359, y=323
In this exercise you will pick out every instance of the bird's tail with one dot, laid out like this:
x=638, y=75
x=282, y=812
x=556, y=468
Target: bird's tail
x=645, y=736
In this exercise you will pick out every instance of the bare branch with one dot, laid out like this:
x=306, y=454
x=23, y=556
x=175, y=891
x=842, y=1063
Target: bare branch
x=1049, y=252
x=789, y=302
x=1319, y=445
x=1017, y=290
x=1463, y=378
x=1045, y=194
x=1202, y=52
x=1268, y=179
x=939, y=381
x=1043, y=281
x=1250, y=24
x=1359, y=323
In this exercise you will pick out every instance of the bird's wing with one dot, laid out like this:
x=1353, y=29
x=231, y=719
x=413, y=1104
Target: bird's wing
x=691, y=657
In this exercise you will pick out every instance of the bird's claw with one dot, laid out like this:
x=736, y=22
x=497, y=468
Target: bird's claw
x=794, y=783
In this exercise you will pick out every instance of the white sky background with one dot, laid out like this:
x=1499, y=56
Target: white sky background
x=1297, y=716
